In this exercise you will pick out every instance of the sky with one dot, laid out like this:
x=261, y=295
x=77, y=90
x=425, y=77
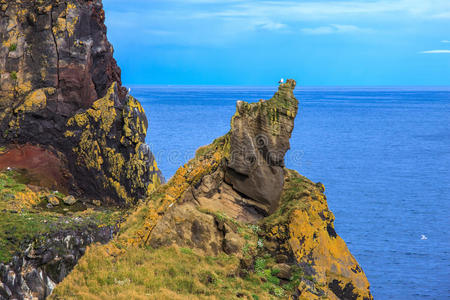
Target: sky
x=249, y=42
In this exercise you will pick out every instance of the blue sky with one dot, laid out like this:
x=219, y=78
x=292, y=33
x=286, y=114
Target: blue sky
x=247, y=42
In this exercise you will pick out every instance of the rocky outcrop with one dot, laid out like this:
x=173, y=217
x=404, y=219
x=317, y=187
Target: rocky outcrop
x=259, y=139
x=284, y=239
x=246, y=183
x=240, y=175
x=61, y=91
x=35, y=273
x=302, y=230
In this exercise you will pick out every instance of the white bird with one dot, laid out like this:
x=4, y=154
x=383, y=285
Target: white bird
x=129, y=90
x=281, y=81
x=423, y=237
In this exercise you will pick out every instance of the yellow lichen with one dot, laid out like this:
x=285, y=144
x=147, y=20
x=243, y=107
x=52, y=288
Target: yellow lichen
x=92, y=151
x=35, y=101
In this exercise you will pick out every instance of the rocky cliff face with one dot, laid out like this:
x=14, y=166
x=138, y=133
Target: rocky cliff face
x=46, y=262
x=235, y=201
x=60, y=91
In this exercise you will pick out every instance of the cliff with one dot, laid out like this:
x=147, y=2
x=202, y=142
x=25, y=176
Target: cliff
x=61, y=99
x=233, y=222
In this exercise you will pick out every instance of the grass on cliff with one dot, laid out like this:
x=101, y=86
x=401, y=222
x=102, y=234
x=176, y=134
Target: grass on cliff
x=295, y=189
x=165, y=273
x=21, y=223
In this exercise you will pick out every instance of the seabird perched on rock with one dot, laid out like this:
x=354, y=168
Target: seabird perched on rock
x=129, y=90
x=281, y=81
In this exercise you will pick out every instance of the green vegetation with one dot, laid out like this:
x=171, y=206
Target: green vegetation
x=295, y=189
x=13, y=75
x=17, y=230
x=12, y=47
x=165, y=273
x=10, y=184
x=24, y=216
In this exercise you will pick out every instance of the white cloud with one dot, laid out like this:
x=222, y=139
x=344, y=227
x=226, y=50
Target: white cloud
x=442, y=15
x=434, y=51
x=445, y=41
x=270, y=25
x=290, y=10
x=332, y=29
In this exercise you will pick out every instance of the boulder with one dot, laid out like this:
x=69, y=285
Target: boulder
x=70, y=200
x=283, y=271
x=53, y=200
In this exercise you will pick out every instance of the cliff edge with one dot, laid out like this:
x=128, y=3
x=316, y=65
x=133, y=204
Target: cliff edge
x=61, y=100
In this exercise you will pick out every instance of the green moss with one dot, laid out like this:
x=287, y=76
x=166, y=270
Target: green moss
x=12, y=47
x=21, y=226
x=294, y=189
x=11, y=183
x=17, y=230
x=13, y=75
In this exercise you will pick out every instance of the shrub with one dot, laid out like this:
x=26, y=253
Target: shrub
x=13, y=75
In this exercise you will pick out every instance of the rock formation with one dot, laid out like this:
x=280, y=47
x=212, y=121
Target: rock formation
x=61, y=94
x=259, y=139
x=233, y=222
x=283, y=239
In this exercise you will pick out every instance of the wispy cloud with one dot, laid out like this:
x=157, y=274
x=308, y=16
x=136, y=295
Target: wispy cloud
x=434, y=51
x=442, y=15
x=225, y=21
x=309, y=10
x=445, y=41
x=270, y=25
x=333, y=29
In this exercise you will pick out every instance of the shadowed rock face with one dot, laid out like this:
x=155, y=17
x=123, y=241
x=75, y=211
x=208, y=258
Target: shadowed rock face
x=260, y=134
x=60, y=88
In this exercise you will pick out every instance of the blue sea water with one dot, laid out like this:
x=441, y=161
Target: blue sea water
x=382, y=153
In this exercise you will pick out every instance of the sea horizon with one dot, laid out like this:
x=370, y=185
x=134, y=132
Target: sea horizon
x=301, y=87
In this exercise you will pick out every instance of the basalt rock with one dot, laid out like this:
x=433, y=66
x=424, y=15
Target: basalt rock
x=35, y=273
x=60, y=90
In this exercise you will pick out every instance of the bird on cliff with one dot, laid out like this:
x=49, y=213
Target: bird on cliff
x=129, y=90
x=281, y=81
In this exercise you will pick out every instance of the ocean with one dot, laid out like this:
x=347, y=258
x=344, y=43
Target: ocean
x=383, y=155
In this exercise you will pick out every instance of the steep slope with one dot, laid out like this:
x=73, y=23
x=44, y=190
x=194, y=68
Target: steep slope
x=232, y=223
x=61, y=96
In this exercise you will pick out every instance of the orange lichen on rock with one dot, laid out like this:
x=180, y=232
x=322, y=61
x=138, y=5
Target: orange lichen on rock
x=168, y=194
x=314, y=242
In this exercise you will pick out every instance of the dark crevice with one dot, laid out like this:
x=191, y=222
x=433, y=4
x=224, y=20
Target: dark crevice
x=56, y=47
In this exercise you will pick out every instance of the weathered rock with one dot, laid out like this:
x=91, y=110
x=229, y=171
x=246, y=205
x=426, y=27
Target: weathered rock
x=283, y=271
x=220, y=181
x=260, y=134
x=70, y=200
x=304, y=232
x=60, y=89
x=53, y=200
x=35, y=273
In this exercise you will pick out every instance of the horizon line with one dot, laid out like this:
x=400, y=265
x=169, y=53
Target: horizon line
x=275, y=86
